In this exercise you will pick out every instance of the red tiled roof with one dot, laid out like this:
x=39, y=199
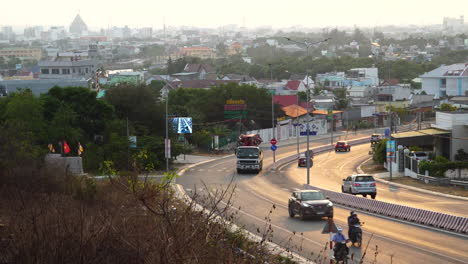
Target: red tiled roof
x=293, y=85
x=285, y=100
x=390, y=82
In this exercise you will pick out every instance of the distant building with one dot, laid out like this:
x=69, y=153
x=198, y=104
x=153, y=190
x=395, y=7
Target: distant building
x=200, y=52
x=447, y=80
x=24, y=54
x=200, y=71
x=365, y=76
x=116, y=77
x=331, y=80
x=243, y=79
x=453, y=23
x=67, y=67
x=78, y=27
x=38, y=86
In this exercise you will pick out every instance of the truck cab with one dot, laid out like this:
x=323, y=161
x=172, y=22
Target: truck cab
x=249, y=158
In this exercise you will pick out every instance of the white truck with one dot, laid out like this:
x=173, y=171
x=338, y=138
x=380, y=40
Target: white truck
x=248, y=153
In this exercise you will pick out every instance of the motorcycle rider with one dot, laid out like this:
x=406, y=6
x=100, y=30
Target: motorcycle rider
x=340, y=239
x=352, y=221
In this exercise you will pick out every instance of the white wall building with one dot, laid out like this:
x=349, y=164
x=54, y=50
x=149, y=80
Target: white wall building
x=450, y=80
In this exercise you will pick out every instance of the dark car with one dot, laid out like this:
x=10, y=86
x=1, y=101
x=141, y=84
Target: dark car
x=301, y=162
x=375, y=138
x=309, y=203
x=342, y=146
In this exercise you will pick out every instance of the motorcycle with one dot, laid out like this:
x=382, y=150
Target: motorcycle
x=341, y=252
x=356, y=235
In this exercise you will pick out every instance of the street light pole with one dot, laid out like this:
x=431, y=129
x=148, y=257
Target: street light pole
x=167, y=134
x=308, y=45
x=273, y=117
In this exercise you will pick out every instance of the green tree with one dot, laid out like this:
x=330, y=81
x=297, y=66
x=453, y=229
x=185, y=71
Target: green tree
x=448, y=107
x=380, y=152
x=461, y=155
x=341, y=98
x=93, y=113
x=23, y=130
x=221, y=49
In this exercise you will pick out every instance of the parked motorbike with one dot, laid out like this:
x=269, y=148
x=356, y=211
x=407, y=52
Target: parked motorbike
x=341, y=252
x=356, y=235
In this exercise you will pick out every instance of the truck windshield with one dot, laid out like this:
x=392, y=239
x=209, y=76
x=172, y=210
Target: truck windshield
x=247, y=153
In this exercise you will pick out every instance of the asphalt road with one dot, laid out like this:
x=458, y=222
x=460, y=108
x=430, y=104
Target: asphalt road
x=388, y=241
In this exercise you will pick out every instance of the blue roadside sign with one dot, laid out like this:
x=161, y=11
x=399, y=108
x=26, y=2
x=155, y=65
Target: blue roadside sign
x=273, y=147
x=311, y=133
x=390, y=149
x=387, y=133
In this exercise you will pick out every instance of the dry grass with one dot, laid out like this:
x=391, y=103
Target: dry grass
x=371, y=167
x=116, y=222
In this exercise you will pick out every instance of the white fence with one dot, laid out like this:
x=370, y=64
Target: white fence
x=287, y=130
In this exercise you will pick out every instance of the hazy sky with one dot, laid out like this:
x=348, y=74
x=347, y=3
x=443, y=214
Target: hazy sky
x=215, y=13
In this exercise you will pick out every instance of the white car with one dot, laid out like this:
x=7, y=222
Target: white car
x=419, y=155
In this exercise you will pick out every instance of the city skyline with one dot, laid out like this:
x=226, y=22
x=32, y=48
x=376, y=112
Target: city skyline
x=209, y=13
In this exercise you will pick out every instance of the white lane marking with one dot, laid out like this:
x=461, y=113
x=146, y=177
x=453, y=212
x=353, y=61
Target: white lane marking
x=379, y=236
x=349, y=161
x=276, y=226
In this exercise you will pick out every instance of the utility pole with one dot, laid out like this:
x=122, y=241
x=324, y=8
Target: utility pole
x=273, y=117
x=307, y=44
x=168, y=146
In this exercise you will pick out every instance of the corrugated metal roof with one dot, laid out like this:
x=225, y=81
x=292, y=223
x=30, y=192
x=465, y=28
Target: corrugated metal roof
x=419, y=133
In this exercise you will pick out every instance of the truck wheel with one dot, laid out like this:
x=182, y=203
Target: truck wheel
x=364, y=195
x=342, y=189
x=373, y=195
x=239, y=171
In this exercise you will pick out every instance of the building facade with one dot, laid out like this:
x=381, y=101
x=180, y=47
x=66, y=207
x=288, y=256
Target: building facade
x=447, y=80
x=21, y=53
x=68, y=69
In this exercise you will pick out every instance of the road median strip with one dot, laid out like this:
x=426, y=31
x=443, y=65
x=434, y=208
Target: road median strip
x=443, y=221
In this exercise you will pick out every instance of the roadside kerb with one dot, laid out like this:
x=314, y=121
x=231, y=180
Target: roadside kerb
x=447, y=222
x=360, y=171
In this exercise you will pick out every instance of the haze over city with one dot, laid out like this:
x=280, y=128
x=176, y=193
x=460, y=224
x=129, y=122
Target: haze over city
x=211, y=13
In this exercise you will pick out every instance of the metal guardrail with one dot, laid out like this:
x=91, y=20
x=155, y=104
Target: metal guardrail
x=459, y=183
x=448, y=222
x=443, y=221
x=325, y=148
x=442, y=181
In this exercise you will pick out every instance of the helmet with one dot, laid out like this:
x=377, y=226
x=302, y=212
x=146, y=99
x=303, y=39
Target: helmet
x=352, y=212
x=340, y=229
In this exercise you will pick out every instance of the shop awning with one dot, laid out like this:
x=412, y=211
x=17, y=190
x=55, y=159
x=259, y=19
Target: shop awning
x=420, y=133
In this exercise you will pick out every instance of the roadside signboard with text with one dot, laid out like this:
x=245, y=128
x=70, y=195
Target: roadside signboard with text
x=390, y=149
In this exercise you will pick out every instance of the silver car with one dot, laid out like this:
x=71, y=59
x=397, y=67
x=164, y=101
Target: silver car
x=360, y=184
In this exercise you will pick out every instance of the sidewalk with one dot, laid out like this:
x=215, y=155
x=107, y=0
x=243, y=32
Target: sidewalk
x=384, y=177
